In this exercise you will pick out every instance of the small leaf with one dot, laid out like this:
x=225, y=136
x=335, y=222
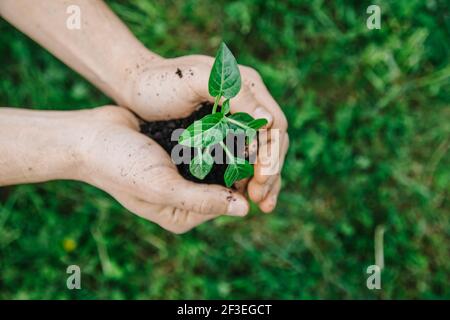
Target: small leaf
x=258, y=123
x=242, y=117
x=247, y=123
x=204, y=132
x=225, y=107
x=225, y=78
x=201, y=164
x=237, y=171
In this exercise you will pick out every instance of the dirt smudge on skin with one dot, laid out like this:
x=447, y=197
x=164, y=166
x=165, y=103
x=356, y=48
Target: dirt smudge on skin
x=179, y=73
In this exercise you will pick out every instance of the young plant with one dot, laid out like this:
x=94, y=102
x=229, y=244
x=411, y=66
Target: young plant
x=203, y=134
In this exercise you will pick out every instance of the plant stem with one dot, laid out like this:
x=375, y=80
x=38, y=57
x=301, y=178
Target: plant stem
x=227, y=151
x=240, y=124
x=216, y=102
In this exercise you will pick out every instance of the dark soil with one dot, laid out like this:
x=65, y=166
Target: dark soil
x=161, y=132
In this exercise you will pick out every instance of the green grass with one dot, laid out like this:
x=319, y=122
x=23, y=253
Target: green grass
x=370, y=134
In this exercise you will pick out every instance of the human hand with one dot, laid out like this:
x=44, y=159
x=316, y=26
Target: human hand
x=153, y=87
x=163, y=89
x=139, y=174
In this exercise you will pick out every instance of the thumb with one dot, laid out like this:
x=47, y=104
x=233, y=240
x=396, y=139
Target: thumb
x=206, y=199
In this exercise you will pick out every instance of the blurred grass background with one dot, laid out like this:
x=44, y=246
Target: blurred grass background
x=370, y=133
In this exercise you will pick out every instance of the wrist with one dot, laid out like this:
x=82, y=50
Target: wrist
x=39, y=146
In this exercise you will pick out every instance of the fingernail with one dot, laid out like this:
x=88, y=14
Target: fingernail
x=237, y=207
x=261, y=112
x=269, y=205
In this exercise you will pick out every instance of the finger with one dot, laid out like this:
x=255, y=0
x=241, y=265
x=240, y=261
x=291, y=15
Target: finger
x=264, y=98
x=279, y=126
x=204, y=198
x=269, y=203
x=172, y=219
x=253, y=149
x=261, y=185
x=258, y=191
x=271, y=157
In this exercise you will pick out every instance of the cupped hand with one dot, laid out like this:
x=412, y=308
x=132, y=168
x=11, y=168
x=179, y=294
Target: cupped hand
x=138, y=173
x=163, y=89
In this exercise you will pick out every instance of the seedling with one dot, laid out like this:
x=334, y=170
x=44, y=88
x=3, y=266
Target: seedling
x=203, y=134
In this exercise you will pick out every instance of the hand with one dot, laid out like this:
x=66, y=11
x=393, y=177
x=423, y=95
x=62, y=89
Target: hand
x=162, y=89
x=139, y=174
x=151, y=86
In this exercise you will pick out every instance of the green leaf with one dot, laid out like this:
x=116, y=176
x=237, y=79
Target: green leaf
x=248, y=120
x=225, y=107
x=237, y=171
x=201, y=164
x=204, y=132
x=239, y=120
x=242, y=117
x=244, y=121
x=257, y=124
x=225, y=78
